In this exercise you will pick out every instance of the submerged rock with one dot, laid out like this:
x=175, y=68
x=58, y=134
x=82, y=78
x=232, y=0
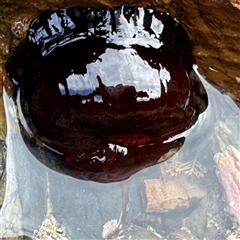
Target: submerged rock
x=166, y=196
x=228, y=171
x=50, y=229
x=105, y=89
x=128, y=231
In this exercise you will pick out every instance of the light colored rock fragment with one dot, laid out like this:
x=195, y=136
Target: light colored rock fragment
x=49, y=230
x=166, y=196
x=228, y=172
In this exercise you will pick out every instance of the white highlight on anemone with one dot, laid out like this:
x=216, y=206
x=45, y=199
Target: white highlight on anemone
x=157, y=26
x=102, y=159
x=127, y=32
x=118, y=148
x=133, y=31
x=116, y=67
x=165, y=76
x=80, y=84
x=62, y=89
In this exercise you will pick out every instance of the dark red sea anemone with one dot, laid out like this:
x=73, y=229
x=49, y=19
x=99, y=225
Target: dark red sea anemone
x=105, y=89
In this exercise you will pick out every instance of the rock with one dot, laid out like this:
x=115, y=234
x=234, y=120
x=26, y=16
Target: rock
x=11, y=225
x=183, y=233
x=226, y=133
x=49, y=230
x=196, y=222
x=170, y=195
x=131, y=231
x=135, y=232
x=109, y=228
x=228, y=172
x=235, y=3
x=5, y=38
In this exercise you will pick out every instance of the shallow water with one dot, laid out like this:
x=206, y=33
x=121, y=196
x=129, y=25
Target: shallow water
x=81, y=208
x=181, y=198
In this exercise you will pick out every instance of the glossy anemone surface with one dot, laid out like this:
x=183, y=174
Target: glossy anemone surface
x=105, y=90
